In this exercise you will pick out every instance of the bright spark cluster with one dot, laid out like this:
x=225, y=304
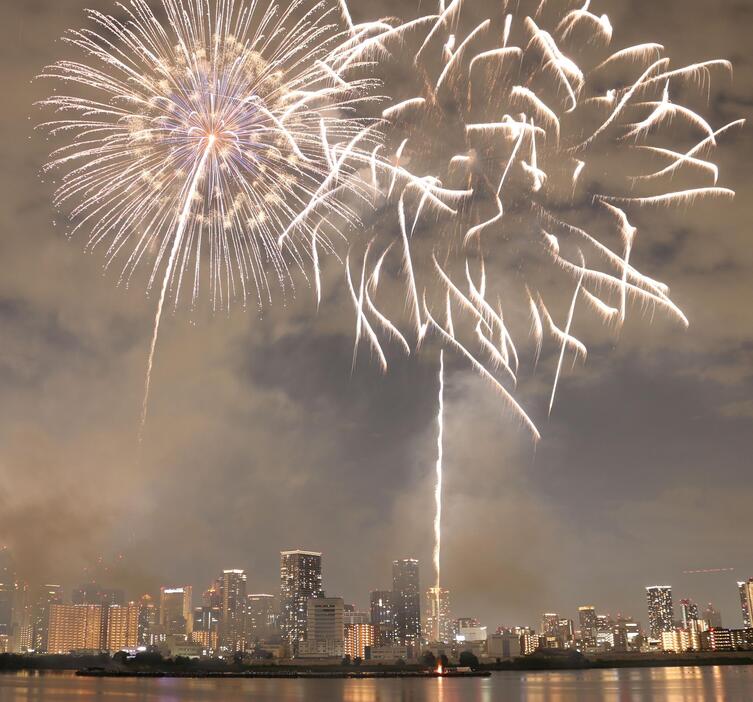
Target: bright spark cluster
x=533, y=148
x=216, y=146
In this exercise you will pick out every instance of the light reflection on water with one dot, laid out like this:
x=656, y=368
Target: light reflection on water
x=710, y=684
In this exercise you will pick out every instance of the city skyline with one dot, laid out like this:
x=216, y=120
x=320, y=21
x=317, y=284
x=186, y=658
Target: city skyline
x=665, y=606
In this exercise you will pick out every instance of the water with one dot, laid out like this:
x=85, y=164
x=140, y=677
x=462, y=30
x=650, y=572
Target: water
x=710, y=684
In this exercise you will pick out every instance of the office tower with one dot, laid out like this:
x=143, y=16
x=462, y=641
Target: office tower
x=549, y=623
x=688, y=612
x=21, y=638
x=206, y=627
x=148, y=619
x=122, y=627
x=325, y=635
x=300, y=579
x=261, y=617
x=7, y=589
x=587, y=623
x=46, y=595
x=406, y=600
x=712, y=616
x=438, y=619
x=382, y=617
x=660, y=610
x=745, y=588
x=233, y=616
x=565, y=631
x=175, y=610
x=75, y=628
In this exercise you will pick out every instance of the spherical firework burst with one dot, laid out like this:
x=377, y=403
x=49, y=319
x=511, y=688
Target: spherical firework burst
x=538, y=146
x=214, y=144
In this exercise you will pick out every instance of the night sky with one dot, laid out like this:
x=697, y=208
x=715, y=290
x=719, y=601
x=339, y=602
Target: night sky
x=260, y=437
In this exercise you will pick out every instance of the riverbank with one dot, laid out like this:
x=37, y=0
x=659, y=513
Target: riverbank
x=102, y=665
x=575, y=661
x=308, y=674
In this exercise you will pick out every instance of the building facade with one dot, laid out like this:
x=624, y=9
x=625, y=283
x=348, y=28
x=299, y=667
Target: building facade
x=325, y=632
x=745, y=590
x=75, y=628
x=261, y=617
x=406, y=601
x=47, y=595
x=300, y=580
x=233, y=614
x=587, y=623
x=382, y=617
x=123, y=627
x=438, y=617
x=660, y=610
x=175, y=610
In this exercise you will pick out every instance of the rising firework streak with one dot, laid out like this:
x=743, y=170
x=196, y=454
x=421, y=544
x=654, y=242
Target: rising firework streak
x=438, y=498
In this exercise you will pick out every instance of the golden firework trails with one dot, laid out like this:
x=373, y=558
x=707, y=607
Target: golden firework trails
x=535, y=171
x=215, y=146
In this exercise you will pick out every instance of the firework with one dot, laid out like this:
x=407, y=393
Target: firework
x=542, y=150
x=542, y=146
x=215, y=146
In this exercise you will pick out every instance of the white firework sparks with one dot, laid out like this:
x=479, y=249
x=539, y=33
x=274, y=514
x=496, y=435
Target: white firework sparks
x=526, y=127
x=214, y=145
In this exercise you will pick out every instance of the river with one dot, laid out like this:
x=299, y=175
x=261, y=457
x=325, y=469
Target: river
x=689, y=684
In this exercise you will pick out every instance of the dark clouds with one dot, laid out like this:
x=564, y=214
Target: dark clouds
x=260, y=438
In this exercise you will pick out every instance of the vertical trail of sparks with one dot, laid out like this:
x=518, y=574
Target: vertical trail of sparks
x=182, y=221
x=438, y=497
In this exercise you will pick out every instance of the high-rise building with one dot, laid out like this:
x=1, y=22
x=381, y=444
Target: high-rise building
x=300, y=580
x=206, y=627
x=660, y=610
x=549, y=623
x=712, y=616
x=745, y=589
x=75, y=628
x=382, y=617
x=46, y=595
x=261, y=617
x=233, y=617
x=565, y=631
x=148, y=619
x=359, y=637
x=325, y=634
x=122, y=627
x=406, y=600
x=688, y=612
x=21, y=638
x=7, y=590
x=587, y=623
x=175, y=610
x=439, y=618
